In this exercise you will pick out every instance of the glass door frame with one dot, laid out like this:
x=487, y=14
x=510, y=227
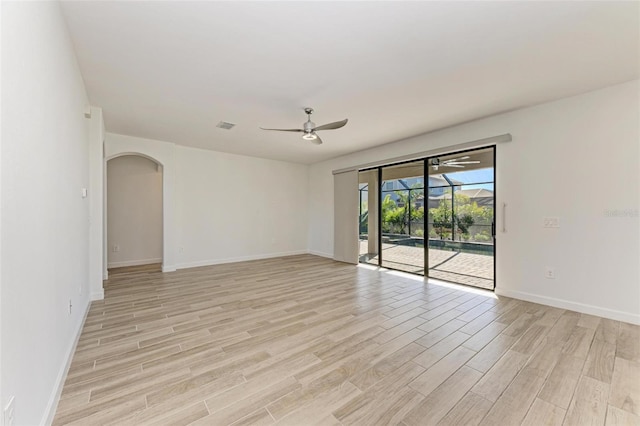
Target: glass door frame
x=427, y=187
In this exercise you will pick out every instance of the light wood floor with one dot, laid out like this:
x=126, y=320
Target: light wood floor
x=304, y=340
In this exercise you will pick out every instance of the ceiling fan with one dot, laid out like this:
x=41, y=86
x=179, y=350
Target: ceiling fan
x=453, y=162
x=309, y=128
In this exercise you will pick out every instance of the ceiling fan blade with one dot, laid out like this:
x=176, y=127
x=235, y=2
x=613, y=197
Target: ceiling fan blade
x=331, y=126
x=461, y=162
x=285, y=130
x=450, y=165
x=451, y=160
x=317, y=140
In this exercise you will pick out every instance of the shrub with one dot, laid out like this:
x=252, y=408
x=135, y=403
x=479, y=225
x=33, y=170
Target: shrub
x=482, y=237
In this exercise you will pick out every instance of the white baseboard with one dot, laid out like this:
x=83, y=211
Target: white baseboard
x=133, y=263
x=50, y=412
x=168, y=268
x=97, y=295
x=236, y=259
x=321, y=254
x=573, y=306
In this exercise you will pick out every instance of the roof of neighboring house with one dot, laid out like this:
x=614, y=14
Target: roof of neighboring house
x=471, y=193
x=476, y=193
x=442, y=181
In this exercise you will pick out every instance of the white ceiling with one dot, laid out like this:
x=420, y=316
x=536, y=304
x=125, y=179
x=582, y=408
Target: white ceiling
x=172, y=70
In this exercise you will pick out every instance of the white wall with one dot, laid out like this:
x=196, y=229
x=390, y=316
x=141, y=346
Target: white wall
x=575, y=158
x=134, y=211
x=45, y=220
x=225, y=207
x=2, y=399
x=232, y=207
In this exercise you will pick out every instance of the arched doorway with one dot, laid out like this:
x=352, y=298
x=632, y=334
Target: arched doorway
x=134, y=211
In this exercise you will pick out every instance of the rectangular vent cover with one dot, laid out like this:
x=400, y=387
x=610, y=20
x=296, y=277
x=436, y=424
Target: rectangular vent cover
x=225, y=125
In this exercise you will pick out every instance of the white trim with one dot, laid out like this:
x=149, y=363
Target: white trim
x=134, y=262
x=168, y=268
x=321, y=254
x=50, y=412
x=629, y=317
x=97, y=257
x=479, y=143
x=97, y=295
x=236, y=259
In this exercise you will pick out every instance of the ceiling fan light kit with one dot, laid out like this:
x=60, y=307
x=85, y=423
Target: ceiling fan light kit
x=309, y=128
x=309, y=136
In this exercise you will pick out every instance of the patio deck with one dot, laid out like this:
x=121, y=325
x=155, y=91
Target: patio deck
x=462, y=268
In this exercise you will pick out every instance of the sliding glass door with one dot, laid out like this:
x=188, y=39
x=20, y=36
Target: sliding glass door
x=402, y=217
x=461, y=217
x=452, y=210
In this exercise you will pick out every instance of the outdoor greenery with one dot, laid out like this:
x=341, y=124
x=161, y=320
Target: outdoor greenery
x=466, y=215
x=469, y=221
x=395, y=215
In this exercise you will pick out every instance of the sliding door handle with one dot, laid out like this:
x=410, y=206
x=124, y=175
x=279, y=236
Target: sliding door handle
x=504, y=217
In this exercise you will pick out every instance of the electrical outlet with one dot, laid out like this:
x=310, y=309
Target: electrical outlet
x=550, y=273
x=9, y=414
x=551, y=222
x=116, y=248
x=180, y=249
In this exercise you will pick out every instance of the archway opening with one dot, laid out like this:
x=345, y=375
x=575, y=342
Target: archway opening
x=134, y=213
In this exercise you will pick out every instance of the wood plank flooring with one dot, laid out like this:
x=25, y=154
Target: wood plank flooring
x=303, y=340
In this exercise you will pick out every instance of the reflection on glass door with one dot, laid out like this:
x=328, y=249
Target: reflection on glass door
x=402, y=217
x=461, y=217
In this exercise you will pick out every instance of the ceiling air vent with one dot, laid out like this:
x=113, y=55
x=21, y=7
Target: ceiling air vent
x=225, y=125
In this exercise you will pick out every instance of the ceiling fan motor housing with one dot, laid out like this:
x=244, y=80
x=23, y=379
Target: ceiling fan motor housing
x=309, y=126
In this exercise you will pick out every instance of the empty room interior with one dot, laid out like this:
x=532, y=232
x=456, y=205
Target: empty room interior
x=320, y=213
